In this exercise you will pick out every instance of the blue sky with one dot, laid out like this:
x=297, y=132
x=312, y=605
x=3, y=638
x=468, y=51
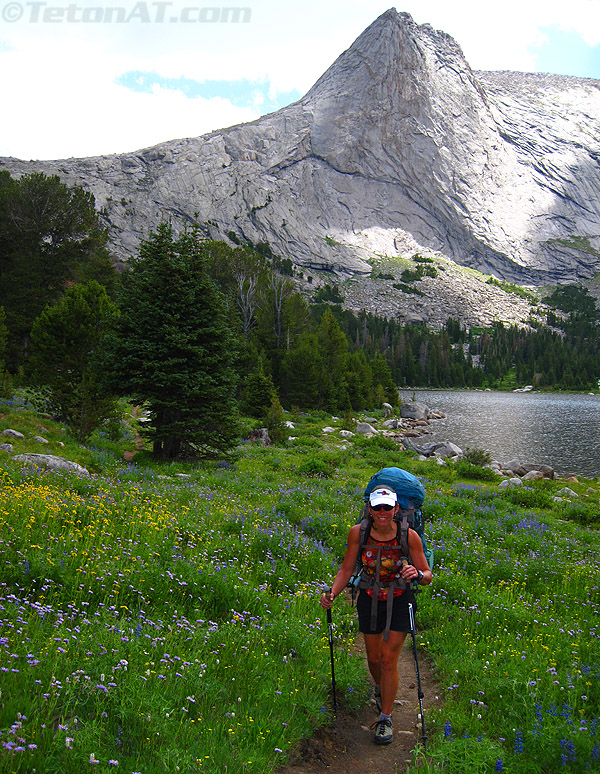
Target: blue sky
x=90, y=77
x=564, y=51
x=241, y=93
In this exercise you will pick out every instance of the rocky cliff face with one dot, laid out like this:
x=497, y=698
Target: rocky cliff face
x=398, y=143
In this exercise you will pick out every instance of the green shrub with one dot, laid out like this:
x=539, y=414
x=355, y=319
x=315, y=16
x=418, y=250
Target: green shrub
x=275, y=421
x=529, y=497
x=321, y=465
x=328, y=293
x=477, y=457
x=308, y=442
x=38, y=399
x=475, y=472
x=586, y=514
x=407, y=289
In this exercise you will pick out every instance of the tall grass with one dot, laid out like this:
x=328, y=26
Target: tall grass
x=167, y=619
x=512, y=626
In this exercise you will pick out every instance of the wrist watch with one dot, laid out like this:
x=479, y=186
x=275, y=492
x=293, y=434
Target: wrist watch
x=419, y=576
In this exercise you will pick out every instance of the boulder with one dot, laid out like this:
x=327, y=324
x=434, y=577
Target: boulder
x=545, y=470
x=425, y=450
x=533, y=475
x=515, y=466
x=329, y=429
x=391, y=424
x=39, y=439
x=448, y=449
x=7, y=447
x=568, y=493
x=261, y=436
x=51, y=462
x=365, y=428
x=414, y=410
x=436, y=415
x=9, y=433
x=510, y=483
x=346, y=433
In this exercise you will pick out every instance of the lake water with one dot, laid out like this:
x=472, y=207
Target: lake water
x=558, y=430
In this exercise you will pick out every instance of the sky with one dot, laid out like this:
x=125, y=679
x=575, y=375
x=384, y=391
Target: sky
x=92, y=77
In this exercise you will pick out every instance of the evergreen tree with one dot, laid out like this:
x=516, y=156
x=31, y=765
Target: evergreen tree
x=64, y=347
x=275, y=422
x=3, y=338
x=333, y=350
x=173, y=348
x=382, y=379
x=258, y=393
x=50, y=235
x=5, y=380
x=359, y=378
x=300, y=374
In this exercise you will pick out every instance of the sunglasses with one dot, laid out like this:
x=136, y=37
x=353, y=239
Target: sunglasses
x=382, y=507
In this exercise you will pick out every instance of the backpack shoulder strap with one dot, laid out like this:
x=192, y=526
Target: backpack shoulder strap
x=364, y=535
x=402, y=536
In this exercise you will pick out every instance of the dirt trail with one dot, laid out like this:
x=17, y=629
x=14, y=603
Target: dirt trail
x=347, y=745
x=138, y=440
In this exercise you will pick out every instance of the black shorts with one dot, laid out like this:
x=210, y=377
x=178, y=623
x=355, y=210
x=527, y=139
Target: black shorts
x=400, y=617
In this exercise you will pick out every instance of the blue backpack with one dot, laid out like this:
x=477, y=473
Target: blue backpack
x=410, y=494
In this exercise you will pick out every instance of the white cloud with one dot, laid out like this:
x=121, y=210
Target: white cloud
x=59, y=80
x=64, y=109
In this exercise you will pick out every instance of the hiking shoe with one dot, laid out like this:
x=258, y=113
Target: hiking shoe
x=384, y=733
x=377, y=697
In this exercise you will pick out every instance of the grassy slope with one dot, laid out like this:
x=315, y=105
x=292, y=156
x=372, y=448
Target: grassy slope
x=164, y=617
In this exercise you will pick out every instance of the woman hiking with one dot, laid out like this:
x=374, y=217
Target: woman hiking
x=385, y=591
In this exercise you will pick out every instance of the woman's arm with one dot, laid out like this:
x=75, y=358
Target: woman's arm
x=410, y=572
x=346, y=568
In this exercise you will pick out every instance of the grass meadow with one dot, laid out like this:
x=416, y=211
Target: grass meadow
x=165, y=618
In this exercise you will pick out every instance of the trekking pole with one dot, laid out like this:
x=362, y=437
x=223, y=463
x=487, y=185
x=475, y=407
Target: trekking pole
x=330, y=629
x=420, y=692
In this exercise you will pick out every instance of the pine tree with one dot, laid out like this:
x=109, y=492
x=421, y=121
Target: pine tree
x=3, y=337
x=258, y=393
x=385, y=389
x=64, y=344
x=275, y=422
x=333, y=349
x=50, y=236
x=173, y=348
x=300, y=374
x=360, y=381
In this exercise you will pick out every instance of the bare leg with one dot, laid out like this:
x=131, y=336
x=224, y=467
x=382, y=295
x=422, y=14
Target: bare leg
x=373, y=648
x=382, y=658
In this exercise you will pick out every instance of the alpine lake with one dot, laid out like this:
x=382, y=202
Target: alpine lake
x=560, y=430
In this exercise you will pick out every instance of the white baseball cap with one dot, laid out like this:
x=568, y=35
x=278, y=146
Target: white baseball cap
x=382, y=497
